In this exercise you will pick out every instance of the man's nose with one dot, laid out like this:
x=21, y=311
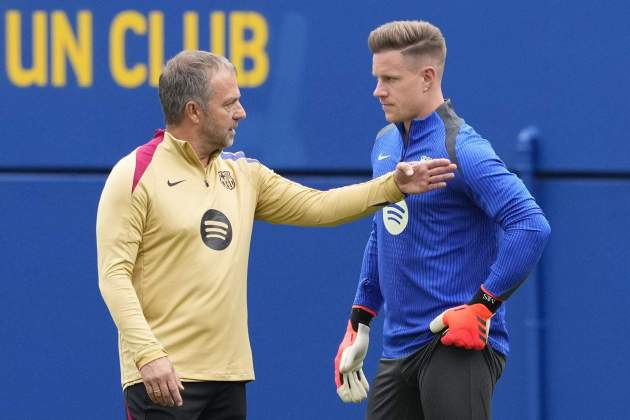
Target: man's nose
x=379, y=91
x=240, y=113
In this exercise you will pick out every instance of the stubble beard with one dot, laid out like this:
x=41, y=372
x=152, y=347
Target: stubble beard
x=216, y=139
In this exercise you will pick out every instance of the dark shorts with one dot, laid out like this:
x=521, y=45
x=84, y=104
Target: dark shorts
x=202, y=401
x=437, y=382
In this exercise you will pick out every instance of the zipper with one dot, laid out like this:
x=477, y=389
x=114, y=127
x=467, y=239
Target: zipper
x=405, y=139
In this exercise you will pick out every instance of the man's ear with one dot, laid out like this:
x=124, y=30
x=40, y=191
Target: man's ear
x=429, y=75
x=192, y=111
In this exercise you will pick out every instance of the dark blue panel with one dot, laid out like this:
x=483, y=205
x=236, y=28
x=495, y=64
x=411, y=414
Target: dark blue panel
x=586, y=282
x=301, y=287
x=315, y=108
x=58, y=342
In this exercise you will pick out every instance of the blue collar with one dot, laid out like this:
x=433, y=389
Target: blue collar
x=419, y=127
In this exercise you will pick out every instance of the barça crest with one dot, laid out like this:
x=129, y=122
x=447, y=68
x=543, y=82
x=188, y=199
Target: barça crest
x=226, y=180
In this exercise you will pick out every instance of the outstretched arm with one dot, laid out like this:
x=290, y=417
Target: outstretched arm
x=287, y=202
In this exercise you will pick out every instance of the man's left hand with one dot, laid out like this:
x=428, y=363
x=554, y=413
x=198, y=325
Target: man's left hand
x=422, y=176
x=468, y=325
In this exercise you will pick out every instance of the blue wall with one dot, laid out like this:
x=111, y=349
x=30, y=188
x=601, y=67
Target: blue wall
x=560, y=65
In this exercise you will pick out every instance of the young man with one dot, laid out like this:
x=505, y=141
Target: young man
x=445, y=259
x=173, y=234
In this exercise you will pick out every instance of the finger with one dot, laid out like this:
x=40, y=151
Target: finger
x=361, y=392
x=156, y=395
x=363, y=380
x=441, y=178
x=434, y=163
x=165, y=394
x=352, y=385
x=346, y=389
x=406, y=168
x=150, y=392
x=357, y=393
x=174, y=392
x=180, y=385
x=436, y=186
x=343, y=393
x=437, y=324
x=442, y=170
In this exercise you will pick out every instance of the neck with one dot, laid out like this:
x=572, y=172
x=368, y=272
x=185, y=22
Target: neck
x=434, y=100
x=202, y=149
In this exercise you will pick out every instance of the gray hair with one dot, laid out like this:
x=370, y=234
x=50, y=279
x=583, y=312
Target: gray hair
x=185, y=78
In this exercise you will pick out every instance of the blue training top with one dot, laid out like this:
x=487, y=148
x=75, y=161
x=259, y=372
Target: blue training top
x=433, y=251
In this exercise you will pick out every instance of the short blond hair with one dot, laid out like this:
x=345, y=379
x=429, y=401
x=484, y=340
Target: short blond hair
x=411, y=37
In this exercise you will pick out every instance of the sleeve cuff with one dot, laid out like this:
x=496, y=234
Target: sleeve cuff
x=392, y=192
x=149, y=355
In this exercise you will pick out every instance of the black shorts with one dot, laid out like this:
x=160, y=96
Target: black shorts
x=437, y=382
x=202, y=401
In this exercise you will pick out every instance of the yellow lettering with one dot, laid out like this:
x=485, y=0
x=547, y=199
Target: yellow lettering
x=18, y=75
x=191, y=31
x=64, y=44
x=156, y=46
x=217, y=28
x=240, y=48
x=123, y=75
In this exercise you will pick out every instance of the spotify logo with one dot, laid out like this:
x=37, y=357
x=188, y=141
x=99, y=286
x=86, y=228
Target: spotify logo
x=395, y=217
x=216, y=230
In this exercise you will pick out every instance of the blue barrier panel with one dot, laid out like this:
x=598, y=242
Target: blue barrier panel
x=58, y=342
x=586, y=286
x=306, y=76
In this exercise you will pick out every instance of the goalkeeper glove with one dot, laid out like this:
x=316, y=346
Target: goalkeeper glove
x=468, y=325
x=349, y=377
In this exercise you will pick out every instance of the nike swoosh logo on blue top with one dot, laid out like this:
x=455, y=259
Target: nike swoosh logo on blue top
x=172, y=184
x=381, y=156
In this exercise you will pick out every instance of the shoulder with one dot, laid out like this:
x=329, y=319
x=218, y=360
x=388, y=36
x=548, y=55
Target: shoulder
x=386, y=131
x=143, y=157
x=128, y=172
x=122, y=173
x=239, y=162
x=237, y=157
x=385, y=140
x=244, y=167
x=469, y=142
x=476, y=157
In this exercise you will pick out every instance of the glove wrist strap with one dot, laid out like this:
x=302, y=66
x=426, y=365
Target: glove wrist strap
x=486, y=299
x=361, y=315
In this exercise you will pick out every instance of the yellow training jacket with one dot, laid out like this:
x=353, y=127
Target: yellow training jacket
x=173, y=243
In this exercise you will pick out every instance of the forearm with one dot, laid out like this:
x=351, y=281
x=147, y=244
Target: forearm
x=368, y=293
x=298, y=205
x=519, y=251
x=126, y=311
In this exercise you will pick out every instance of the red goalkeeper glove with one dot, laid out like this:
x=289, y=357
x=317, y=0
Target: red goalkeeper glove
x=352, y=386
x=468, y=325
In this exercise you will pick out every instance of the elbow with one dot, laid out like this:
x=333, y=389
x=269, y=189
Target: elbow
x=543, y=229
